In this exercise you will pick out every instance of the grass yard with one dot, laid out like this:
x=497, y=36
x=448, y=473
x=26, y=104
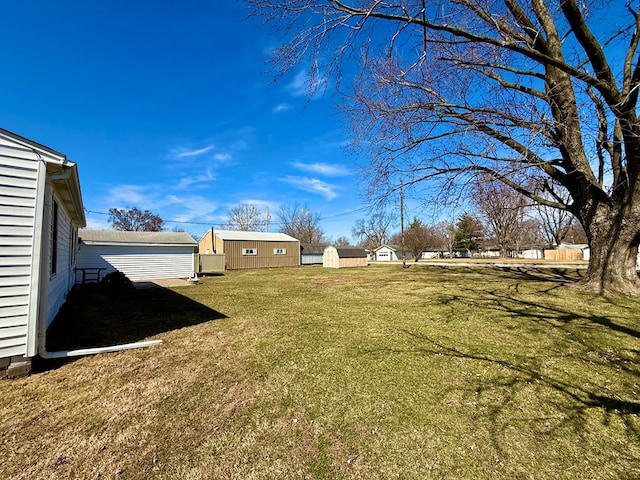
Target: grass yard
x=311, y=373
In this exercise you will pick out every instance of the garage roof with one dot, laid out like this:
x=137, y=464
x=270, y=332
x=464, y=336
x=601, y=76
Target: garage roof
x=115, y=237
x=256, y=236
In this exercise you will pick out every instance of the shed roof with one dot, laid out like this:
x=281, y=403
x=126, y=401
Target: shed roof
x=117, y=237
x=351, y=252
x=313, y=248
x=256, y=236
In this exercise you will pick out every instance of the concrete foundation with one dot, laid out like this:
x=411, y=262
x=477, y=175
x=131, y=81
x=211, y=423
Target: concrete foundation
x=14, y=367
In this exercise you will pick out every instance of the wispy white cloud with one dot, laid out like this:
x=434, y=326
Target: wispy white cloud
x=188, y=208
x=193, y=153
x=222, y=157
x=98, y=224
x=281, y=107
x=323, y=169
x=312, y=185
x=198, y=181
x=121, y=196
x=261, y=204
x=302, y=85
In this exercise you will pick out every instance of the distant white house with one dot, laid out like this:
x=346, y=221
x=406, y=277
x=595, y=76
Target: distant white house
x=532, y=253
x=40, y=212
x=385, y=253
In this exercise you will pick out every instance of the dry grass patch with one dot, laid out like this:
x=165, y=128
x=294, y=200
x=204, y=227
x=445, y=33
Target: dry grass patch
x=428, y=372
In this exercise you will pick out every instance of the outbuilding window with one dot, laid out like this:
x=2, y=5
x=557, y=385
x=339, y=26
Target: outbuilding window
x=279, y=251
x=249, y=251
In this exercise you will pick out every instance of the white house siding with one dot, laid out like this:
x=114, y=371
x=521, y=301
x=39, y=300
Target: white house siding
x=19, y=168
x=138, y=262
x=61, y=283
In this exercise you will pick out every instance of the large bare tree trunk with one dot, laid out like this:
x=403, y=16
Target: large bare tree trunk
x=614, y=239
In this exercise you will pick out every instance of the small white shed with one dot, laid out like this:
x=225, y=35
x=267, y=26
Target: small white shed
x=139, y=255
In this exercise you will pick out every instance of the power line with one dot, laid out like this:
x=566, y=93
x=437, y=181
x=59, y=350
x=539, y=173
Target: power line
x=340, y=214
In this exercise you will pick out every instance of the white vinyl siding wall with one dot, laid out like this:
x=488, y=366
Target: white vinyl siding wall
x=138, y=262
x=18, y=192
x=61, y=283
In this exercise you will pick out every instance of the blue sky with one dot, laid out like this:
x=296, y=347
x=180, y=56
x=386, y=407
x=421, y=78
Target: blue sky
x=169, y=106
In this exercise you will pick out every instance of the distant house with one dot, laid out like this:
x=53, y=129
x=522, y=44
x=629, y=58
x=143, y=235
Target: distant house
x=252, y=249
x=341, y=257
x=532, y=253
x=139, y=255
x=40, y=212
x=311, y=253
x=385, y=253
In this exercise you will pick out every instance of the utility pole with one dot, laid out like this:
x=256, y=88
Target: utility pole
x=267, y=218
x=404, y=261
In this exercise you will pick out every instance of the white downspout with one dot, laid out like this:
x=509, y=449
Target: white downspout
x=42, y=329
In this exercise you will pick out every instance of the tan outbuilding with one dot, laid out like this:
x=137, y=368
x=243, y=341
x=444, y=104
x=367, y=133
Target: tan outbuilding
x=252, y=249
x=341, y=257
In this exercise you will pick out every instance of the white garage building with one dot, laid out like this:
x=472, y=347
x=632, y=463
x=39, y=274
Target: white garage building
x=139, y=255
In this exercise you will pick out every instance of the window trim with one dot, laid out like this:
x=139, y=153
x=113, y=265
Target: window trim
x=250, y=251
x=53, y=261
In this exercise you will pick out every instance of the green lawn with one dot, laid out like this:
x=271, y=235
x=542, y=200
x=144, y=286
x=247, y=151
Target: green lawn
x=305, y=373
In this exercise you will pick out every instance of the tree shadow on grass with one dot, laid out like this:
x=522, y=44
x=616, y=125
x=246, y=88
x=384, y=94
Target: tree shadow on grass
x=585, y=366
x=95, y=317
x=584, y=338
x=582, y=396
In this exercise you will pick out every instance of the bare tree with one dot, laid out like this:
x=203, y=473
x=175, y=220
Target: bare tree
x=418, y=238
x=342, y=242
x=502, y=209
x=531, y=236
x=508, y=88
x=245, y=217
x=554, y=223
x=445, y=237
x=374, y=231
x=135, y=220
x=576, y=233
x=302, y=224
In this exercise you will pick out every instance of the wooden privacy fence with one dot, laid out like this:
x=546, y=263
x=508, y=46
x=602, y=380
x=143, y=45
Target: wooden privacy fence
x=209, y=263
x=564, y=255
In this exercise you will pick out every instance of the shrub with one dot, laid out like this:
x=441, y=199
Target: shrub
x=116, y=283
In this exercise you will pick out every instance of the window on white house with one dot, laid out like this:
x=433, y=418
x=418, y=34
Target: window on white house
x=279, y=251
x=54, y=239
x=249, y=251
x=73, y=246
